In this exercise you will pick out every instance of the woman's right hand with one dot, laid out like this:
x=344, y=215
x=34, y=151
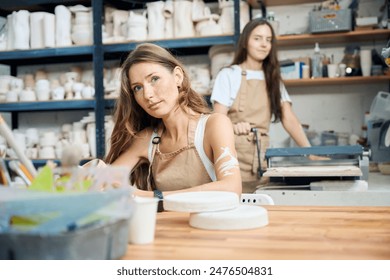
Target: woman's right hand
x=242, y=128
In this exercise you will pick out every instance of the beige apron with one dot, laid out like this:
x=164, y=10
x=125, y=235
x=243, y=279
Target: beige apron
x=180, y=169
x=251, y=105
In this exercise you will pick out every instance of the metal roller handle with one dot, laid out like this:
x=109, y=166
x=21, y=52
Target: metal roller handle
x=259, y=170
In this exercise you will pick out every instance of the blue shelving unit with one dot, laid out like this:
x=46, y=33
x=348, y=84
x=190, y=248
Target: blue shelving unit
x=95, y=53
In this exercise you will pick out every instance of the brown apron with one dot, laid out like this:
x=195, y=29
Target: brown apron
x=251, y=105
x=180, y=169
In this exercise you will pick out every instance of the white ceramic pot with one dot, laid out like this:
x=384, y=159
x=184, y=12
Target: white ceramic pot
x=32, y=137
x=88, y=92
x=12, y=96
x=63, y=26
x=36, y=24
x=58, y=93
x=47, y=152
x=49, y=23
x=183, y=25
x=137, y=27
x=156, y=20
x=21, y=29
x=27, y=95
x=82, y=37
x=220, y=55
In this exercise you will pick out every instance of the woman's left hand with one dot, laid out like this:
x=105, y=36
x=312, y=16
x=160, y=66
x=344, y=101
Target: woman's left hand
x=242, y=128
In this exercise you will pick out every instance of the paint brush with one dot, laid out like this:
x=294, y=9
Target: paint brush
x=6, y=132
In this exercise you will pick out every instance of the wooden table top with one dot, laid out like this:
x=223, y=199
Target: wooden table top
x=293, y=232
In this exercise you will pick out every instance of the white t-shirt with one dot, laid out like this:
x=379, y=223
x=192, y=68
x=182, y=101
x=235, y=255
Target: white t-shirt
x=228, y=81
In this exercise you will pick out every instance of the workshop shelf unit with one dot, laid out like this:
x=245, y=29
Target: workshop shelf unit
x=99, y=53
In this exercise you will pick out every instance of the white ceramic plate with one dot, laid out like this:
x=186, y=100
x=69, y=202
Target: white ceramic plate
x=240, y=218
x=192, y=202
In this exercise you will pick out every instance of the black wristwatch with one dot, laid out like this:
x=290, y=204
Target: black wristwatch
x=158, y=194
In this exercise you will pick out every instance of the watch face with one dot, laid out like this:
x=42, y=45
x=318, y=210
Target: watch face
x=158, y=194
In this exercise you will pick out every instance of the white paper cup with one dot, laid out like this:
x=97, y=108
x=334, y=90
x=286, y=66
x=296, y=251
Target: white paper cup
x=143, y=220
x=342, y=68
x=305, y=72
x=365, y=62
x=332, y=70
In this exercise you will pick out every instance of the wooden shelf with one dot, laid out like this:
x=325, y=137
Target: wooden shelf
x=255, y=3
x=336, y=81
x=334, y=38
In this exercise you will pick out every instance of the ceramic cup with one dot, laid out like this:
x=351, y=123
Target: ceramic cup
x=143, y=220
x=58, y=93
x=342, y=68
x=332, y=70
x=305, y=72
x=47, y=152
x=365, y=62
x=12, y=96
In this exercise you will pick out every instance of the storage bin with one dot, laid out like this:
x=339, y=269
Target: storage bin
x=330, y=21
x=380, y=106
x=98, y=242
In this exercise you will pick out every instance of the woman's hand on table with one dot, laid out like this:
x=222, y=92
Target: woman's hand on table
x=315, y=157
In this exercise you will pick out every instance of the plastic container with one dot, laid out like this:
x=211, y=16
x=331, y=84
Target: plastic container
x=329, y=138
x=380, y=106
x=330, y=21
x=316, y=64
x=99, y=242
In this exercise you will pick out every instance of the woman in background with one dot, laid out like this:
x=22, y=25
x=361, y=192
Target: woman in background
x=252, y=94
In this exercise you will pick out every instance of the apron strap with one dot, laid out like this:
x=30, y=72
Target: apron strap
x=242, y=97
x=155, y=141
x=191, y=131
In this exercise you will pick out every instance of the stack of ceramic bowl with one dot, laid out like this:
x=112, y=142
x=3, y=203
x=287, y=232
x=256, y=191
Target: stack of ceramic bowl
x=137, y=27
x=82, y=28
x=217, y=210
x=47, y=144
x=4, y=87
x=32, y=141
x=78, y=136
x=42, y=90
x=220, y=55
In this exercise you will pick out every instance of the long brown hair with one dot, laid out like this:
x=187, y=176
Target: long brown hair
x=130, y=118
x=271, y=65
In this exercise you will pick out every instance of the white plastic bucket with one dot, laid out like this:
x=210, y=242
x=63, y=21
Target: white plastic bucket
x=380, y=106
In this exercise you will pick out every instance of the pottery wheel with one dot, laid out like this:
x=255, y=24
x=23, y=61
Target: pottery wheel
x=192, y=202
x=242, y=217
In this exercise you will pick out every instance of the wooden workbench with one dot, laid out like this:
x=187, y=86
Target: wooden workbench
x=294, y=232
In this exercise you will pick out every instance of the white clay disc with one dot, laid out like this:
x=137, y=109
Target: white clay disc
x=242, y=217
x=193, y=202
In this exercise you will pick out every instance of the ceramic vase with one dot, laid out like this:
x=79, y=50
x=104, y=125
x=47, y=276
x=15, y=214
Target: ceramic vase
x=21, y=29
x=10, y=33
x=36, y=24
x=3, y=33
x=183, y=25
x=168, y=15
x=63, y=26
x=137, y=25
x=156, y=20
x=119, y=20
x=49, y=23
